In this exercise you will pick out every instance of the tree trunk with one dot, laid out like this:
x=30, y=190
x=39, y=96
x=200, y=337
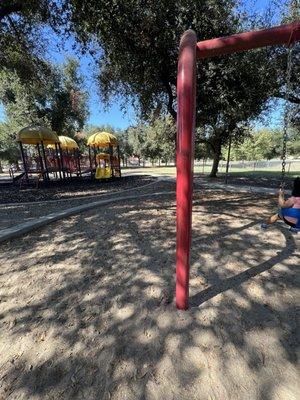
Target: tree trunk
x=1, y=168
x=217, y=156
x=16, y=164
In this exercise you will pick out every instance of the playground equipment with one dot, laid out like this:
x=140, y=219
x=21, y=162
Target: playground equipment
x=103, y=164
x=39, y=159
x=69, y=156
x=189, y=51
x=103, y=170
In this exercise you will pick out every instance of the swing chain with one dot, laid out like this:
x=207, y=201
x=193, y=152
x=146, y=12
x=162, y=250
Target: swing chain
x=287, y=114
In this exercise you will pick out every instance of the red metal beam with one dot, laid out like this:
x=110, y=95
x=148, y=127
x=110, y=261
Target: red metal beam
x=284, y=34
x=186, y=100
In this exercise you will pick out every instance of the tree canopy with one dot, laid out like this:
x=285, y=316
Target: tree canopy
x=60, y=104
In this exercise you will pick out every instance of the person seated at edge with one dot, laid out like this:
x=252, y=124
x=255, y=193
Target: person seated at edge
x=292, y=202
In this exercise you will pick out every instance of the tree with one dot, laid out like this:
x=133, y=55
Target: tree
x=9, y=149
x=140, y=47
x=60, y=104
x=21, y=47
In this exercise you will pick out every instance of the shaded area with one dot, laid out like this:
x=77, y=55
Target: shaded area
x=86, y=306
x=56, y=190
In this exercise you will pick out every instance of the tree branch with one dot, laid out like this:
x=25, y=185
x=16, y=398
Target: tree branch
x=170, y=108
x=291, y=98
x=8, y=8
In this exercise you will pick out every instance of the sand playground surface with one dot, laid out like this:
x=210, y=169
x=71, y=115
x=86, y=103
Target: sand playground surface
x=87, y=305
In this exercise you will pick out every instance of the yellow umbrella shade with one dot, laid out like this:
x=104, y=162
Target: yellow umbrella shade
x=102, y=139
x=66, y=143
x=35, y=134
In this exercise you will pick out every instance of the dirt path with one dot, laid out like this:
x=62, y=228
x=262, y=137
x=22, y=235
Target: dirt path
x=86, y=306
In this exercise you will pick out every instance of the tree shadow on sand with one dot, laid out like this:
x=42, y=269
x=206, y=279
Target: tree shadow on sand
x=87, y=309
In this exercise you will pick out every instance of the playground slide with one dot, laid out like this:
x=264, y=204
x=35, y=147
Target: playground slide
x=103, y=173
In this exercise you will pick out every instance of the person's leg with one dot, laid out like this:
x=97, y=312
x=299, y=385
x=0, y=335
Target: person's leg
x=274, y=218
x=271, y=220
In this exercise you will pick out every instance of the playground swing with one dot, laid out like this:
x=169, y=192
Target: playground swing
x=288, y=212
x=189, y=51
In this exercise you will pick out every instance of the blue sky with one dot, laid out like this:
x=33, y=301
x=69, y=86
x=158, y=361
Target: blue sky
x=57, y=51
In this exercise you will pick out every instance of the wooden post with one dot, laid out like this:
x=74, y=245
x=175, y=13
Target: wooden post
x=24, y=161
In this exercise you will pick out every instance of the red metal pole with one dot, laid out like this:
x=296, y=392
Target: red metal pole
x=186, y=98
x=284, y=34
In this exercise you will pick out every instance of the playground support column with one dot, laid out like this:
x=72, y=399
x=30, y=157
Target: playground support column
x=77, y=155
x=119, y=160
x=111, y=161
x=45, y=161
x=90, y=158
x=58, y=161
x=24, y=161
x=41, y=160
x=62, y=161
x=186, y=98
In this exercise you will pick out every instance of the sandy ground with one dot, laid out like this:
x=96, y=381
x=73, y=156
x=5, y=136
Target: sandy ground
x=86, y=306
x=71, y=189
x=18, y=213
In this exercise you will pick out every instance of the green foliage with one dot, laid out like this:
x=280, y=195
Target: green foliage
x=265, y=144
x=60, y=104
x=154, y=140
x=21, y=47
x=9, y=149
x=139, y=61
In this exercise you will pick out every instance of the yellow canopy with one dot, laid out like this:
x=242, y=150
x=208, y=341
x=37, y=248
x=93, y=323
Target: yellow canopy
x=102, y=156
x=66, y=143
x=34, y=134
x=102, y=139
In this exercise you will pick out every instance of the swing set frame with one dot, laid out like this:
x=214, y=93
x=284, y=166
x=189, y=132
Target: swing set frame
x=189, y=52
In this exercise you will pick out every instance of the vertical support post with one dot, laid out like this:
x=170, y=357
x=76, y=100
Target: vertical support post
x=41, y=160
x=58, y=161
x=228, y=159
x=62, y=161
x=69, y=163
x=77, y=159
x=111, y=160
x=45, y=161
x=24, y=161
x=95, y=158
x=90, y=158
x=186, y=98
x=119, y=160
